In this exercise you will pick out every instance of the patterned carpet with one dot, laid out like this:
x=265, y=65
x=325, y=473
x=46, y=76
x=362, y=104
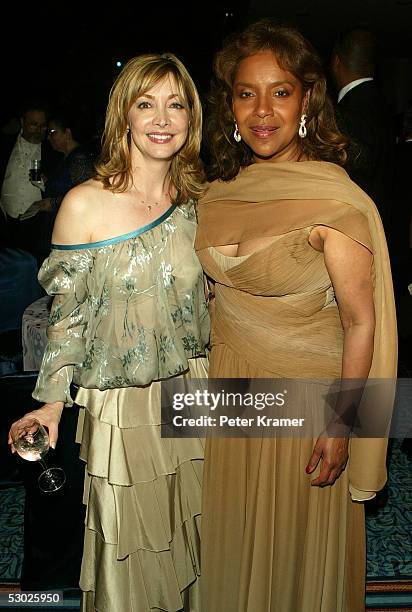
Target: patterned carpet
x=389, y=528
x=389, y=537
x=11, y=532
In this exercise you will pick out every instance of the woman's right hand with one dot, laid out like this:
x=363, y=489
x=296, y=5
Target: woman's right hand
x=48, y=415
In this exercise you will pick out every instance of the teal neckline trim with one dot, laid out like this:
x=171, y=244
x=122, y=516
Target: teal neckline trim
x=116, y=239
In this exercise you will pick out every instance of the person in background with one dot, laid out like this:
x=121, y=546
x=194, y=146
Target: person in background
x=68, y=138
x=297, y=256
x=130, y=311
x=402, y=209
x=364, y=118
x=402, y=249
x=18, y=192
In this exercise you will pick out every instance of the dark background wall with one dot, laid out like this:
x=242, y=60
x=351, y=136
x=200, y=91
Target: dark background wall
x=321, y=20
x=67, y=51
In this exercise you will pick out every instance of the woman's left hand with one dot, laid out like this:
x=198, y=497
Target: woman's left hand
x=333, y=452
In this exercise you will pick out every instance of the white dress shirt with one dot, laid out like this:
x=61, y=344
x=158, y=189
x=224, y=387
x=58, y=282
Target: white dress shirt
x=351, y=85
x=17, y=192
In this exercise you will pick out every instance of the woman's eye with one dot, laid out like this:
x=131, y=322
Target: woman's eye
x=144, y=104
x=176, y=105
x=282, y=93
x=245, y=94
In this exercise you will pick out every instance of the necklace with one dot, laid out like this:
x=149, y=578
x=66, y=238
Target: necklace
x=149, y=205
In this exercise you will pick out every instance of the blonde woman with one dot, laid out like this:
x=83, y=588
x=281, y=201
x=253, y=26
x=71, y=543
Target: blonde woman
x=129, y=311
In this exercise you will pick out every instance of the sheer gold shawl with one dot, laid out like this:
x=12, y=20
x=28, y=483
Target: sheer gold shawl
x=272, y=199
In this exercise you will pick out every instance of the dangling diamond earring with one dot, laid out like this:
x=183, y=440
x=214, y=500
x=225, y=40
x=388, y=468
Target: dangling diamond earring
x=302, y=127
x=236, y=134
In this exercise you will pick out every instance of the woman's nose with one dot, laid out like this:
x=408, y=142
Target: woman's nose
x=162, y=118
x=264, y=106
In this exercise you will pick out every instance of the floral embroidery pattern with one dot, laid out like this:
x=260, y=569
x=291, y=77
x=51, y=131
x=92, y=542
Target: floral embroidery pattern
x=124, y=314
x=168, y=278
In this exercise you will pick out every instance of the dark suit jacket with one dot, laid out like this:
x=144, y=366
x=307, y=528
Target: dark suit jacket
x=364, y=118
x=401, y=216
x=6, y=146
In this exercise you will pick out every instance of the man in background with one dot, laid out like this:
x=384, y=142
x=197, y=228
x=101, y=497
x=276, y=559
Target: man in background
x=22, y=199
x=402, y=246
x=363, y=116
x=17, y=192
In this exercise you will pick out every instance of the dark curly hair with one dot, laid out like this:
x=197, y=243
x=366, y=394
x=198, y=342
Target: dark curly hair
x=294, y=54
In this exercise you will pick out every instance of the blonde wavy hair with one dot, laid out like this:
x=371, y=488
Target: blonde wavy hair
x=138, y=76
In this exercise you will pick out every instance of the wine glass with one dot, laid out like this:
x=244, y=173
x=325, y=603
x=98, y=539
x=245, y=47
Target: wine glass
x=35, y=174
x=35, y=170
x=31, y=442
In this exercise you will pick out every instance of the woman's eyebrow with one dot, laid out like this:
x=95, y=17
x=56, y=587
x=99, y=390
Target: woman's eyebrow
x=273, y=84
x=173, y=95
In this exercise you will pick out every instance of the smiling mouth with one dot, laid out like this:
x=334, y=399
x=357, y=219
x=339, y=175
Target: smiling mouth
x=159, y=138
x=263, y=131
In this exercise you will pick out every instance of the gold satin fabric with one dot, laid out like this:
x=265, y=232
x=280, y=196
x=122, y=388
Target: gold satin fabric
x=143, y=497
x=270, y=541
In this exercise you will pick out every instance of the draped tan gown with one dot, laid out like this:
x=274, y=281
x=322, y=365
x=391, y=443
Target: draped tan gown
x=271, y=541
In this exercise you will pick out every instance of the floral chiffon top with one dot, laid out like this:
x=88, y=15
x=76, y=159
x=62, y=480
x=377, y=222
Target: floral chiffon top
x=127, y=311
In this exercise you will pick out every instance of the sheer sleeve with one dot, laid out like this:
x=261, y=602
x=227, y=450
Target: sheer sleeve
x=65, y=274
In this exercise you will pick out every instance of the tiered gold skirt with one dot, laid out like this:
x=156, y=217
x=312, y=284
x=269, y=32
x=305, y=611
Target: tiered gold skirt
x=143, y=497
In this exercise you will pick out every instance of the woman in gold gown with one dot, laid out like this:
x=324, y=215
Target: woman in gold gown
x=297, y=256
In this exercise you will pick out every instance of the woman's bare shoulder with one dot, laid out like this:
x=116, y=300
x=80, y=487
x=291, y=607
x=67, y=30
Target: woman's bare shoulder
x=75, y=220
x=84, y=195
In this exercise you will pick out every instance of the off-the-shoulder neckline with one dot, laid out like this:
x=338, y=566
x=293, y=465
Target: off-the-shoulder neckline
x=116, y=239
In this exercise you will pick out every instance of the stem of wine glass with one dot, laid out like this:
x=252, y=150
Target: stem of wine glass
x=43, y=464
